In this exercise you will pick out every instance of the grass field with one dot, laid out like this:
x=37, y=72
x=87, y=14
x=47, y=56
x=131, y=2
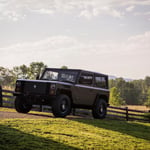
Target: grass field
x=76, y=133
x=138, y=107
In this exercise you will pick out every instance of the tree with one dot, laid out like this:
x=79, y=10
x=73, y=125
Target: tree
x=30, y=72
x=7, y=77
x=132, y=92
x=147, y=81
x=115, y=97
x=21, y=72
x=147, y=103
x=64, y=67
x=35, y=69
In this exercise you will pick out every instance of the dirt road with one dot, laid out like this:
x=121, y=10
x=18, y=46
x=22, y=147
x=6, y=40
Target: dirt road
x=14, y=115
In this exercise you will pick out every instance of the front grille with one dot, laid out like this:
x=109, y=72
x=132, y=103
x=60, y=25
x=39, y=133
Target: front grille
x=35, y=88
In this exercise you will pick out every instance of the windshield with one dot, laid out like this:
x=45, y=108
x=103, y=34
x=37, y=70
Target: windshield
x=63, y=76
x=50, y=75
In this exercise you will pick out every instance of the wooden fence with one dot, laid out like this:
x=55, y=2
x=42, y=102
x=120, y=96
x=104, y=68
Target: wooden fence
x=7, y=100
x=1, y=96
x=128, y=114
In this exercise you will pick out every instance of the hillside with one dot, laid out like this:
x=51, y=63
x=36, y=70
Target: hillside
x=71, y=133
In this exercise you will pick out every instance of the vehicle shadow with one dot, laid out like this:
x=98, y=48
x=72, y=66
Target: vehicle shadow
x=129, y=128
x=14, y=139
x=40, y=115
x=50, y=115
x=134, y=129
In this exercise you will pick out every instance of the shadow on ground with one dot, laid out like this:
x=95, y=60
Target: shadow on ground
x=134, y=129
x=14, y=139
x=131, y=128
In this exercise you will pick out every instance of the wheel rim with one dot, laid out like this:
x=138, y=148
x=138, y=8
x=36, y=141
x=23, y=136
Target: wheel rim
x=64, y=105
x=25, y=106
x=102, y=109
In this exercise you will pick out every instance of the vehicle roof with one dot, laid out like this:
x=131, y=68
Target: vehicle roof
x=79, y=70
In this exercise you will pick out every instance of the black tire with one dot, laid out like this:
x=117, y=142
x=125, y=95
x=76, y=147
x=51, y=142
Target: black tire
x=99, y=110
x=61, y=106
x=21, y=105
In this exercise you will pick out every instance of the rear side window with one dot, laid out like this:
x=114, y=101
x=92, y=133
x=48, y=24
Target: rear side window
x=86, y=79
x=101, y=81
x=68, y=77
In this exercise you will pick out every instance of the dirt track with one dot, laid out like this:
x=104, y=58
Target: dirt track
x=36, y=115
x=13, y=115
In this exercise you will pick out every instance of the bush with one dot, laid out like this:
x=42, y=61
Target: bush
x=147, y=116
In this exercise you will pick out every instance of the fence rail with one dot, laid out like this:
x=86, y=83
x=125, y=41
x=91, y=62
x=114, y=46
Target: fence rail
x=128, y=114
x=7, y=100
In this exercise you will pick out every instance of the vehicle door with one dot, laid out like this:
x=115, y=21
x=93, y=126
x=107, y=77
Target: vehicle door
x=83, y=89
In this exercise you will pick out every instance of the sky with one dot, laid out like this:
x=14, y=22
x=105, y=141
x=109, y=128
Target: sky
x=109, y=36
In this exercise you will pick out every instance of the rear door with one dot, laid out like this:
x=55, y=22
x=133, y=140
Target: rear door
x=83, y=90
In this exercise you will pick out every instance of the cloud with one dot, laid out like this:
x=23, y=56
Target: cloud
x=16, y=9
x=44, y=11
x=101, y=11
x=67, y=44
x=108, y=56
x=140, y=43
x=130, y=8
x=142, y=13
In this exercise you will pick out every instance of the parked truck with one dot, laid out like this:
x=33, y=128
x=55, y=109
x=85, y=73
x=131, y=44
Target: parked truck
x=64, y=89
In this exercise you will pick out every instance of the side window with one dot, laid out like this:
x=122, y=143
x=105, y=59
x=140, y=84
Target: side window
x=67, y=77
x=86, y=79
x=101, y=81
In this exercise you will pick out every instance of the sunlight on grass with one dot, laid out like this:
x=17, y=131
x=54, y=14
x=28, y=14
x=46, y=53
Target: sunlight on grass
x=7, y=109
x=78, y=133
x=58, y=133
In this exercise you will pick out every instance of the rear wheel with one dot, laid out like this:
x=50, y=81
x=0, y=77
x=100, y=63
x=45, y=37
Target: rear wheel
x=21, y=105
x=99, y=110
x=61, y=106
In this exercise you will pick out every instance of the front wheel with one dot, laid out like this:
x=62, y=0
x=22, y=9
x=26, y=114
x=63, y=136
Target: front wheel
x=61, y=106
x=21, y=105
x=99, y=110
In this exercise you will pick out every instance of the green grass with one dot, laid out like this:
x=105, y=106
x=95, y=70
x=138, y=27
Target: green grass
x=7, y=109
x=56, y=133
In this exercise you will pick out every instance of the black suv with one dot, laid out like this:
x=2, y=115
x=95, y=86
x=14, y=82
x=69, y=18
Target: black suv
x=64, y=89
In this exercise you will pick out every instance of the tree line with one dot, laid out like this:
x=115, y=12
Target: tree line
x=136, y=92
x=8, y=77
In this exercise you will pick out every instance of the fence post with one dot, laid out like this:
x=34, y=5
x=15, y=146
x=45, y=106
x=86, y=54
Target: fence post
x=127, y=115
x=41, y=108
x=74, y=111
x=1, y=99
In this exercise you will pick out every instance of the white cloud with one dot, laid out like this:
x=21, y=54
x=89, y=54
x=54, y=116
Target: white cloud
x=17, y=9
x=142, y=13
x=130, y=2
x=140, y=43
x=87, y=14
x=109, y=57
x=130, y=8
x=106, y=10
x=44, y=11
